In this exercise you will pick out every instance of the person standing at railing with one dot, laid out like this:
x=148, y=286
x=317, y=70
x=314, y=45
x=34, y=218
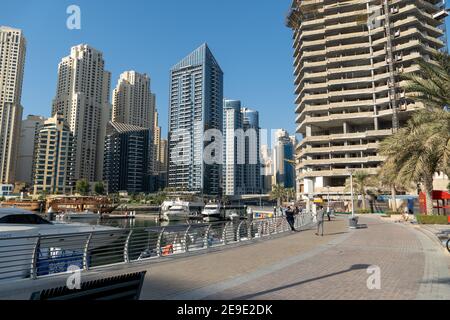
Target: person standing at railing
x=290, y=217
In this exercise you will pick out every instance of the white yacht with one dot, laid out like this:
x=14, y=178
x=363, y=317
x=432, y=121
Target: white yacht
x=177, y=210
x=18, y=231
x=213, y=212
x=80, y=215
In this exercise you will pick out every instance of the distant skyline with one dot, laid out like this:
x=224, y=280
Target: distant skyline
x=248, y=38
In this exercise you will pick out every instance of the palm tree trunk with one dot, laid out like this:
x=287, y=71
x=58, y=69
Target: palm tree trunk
x=428, y=186
x=394, y=196
x=364, y=205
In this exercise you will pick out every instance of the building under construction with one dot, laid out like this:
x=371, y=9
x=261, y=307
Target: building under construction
x=348, y=60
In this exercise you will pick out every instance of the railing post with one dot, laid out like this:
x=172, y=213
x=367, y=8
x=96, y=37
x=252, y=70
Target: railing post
x=260, y=229
x=34, y=258
x=159, y=243
x=238, y=232
x=249, y=230
x=126, y=253
x=186, y=235
x=206, y=239
x=85, y=252
x=225, y=234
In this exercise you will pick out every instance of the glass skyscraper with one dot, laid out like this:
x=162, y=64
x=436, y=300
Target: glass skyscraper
x=196, y=105
x=242, y=166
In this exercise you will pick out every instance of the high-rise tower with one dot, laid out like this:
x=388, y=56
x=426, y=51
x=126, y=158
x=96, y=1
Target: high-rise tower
x=12, y=63
x=348, y=60
x=82, y=97
x=196, y=105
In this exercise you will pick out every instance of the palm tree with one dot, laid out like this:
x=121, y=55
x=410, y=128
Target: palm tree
x=420, y=149
x=362, y=180
x=290, y=194
x=278, y=193
x=388, y=177
x=431, y=84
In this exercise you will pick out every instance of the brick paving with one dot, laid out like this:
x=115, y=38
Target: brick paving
x=300, y=265
x=341, y=271
x=304, y=266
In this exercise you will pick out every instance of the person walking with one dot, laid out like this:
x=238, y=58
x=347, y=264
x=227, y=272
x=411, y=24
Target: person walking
x=290, y=217
x=320, y=215
x=329, y=213
x=249, y=214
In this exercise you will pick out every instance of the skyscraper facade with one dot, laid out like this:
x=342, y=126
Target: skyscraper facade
x=53, y=157
x=233, y=168
x=283, y=155
x=82, y=97
x=196, y=106
x=242, y=164
x=348, y=61
x=156, y=145
x=28, y=133
x=133, y=102
x=126, y=158
x=252, y=167
x=12, y=63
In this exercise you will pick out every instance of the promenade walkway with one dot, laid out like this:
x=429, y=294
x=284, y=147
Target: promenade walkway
x=300, y=265
x=304, y=266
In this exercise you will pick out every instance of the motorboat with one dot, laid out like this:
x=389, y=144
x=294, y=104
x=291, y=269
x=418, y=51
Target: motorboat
x=213, y=212
x=86, y=215
x=177, y=210
x=60, y=243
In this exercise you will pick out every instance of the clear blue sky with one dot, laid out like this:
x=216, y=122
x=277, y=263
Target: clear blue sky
x=247, y=37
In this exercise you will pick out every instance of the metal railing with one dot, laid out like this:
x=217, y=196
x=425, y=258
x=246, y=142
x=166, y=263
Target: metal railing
x=46, y=255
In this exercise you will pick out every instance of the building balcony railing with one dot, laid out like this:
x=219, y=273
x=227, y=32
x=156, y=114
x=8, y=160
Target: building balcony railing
x=341, y=161
x=342, y=137
x=334, y=173
x=337, y=149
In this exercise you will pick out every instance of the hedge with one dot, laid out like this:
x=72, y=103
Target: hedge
x=432, y=219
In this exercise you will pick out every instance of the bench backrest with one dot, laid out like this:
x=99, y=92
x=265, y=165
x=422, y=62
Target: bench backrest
x=123, y=287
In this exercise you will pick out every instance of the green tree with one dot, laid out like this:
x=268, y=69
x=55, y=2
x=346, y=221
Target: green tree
x=431, y=84
x=420, y=149
x=82, y=187
x=388, y=177
x=99, y=188
x=362, y=181
x=290, y=194
x=278, y=193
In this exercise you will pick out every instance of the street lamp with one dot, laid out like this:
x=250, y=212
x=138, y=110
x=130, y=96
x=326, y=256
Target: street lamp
x=351, y=191
x=353, y=220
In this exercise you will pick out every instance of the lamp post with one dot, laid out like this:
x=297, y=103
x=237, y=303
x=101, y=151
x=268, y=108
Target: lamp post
x=351, y=191
x=328, y=196
x=353, y=221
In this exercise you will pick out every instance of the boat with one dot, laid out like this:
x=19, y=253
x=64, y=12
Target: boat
x=23, y=204
x=177, y=210
x=81, y=204
x=213, y=212
x=79, y=215
x=18, y=231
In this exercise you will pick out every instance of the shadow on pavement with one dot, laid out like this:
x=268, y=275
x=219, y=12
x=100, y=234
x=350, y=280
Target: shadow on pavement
x=352, y=268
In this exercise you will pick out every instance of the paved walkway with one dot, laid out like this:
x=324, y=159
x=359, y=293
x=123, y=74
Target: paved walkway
x=304, y=266
x=412, y=264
